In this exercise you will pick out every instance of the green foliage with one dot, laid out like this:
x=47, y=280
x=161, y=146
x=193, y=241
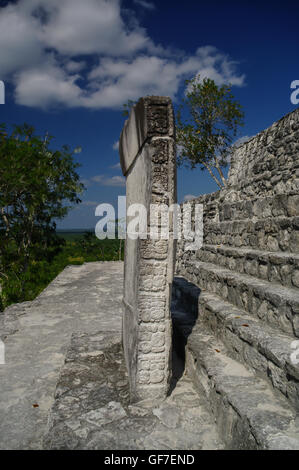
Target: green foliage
x=72, y=248
x=127, y=108
x=37, y=185
x=204, y=138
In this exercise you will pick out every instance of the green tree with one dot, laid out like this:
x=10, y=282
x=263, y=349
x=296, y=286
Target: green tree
x=37, y=186
x=207, y=122
x=127, y=107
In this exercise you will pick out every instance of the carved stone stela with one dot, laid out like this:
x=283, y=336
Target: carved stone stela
x=148, y=160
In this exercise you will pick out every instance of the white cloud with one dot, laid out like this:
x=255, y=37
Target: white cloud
x=145, y=4
x=115, y=181
x=217, y=66
x=115, y=146
x=92, y=26
x=188, y=197
x=47, y=86
x=74, y=66
x=116, y=166
x=242, y=140
x=20, y=45
x=42, y=44
x=85, y=181
x=89, y=203
x=120, y=80
x=109, y=181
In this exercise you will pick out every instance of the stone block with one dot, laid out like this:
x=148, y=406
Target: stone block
x=148, y=160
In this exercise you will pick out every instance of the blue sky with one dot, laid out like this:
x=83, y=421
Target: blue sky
x=68, y=65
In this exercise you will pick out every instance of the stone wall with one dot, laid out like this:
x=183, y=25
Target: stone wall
x=252, y=228
x=147, y=154
x=260, y=206
x=240, y=349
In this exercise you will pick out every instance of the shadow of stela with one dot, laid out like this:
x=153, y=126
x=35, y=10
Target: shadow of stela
x=184, y=313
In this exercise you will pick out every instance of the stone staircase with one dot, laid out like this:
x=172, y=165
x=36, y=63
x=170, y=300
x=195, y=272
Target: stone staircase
x=236, y=300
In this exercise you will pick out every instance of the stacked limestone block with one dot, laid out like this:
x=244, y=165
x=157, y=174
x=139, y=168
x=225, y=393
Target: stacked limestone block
x=147, y=155
x=248, y=308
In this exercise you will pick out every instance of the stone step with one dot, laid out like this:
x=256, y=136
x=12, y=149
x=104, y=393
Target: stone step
x=262, y=348
x=280, y=267
x=249, y=413
x=229, y=206
x=282, y=178
x=269, y=161
x=278, y=205
x=274, y=304
x=279, y=234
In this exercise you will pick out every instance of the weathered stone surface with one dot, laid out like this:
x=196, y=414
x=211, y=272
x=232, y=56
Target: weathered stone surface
x=147, y=155
x=280, y=267
x=266, y=234
x=249, y=415
x=36, y=335
x=269, y=157
x=92, y=409
x=248, y=308
x=273, y=303
x=151, y=116
x=261, y=347
x=79, y=380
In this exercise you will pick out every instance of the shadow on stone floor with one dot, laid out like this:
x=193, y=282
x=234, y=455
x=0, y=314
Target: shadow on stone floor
x=184, y=313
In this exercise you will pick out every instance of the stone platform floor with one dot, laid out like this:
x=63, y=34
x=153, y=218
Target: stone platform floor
x=36, y=335
x=92, y=409
x=66, y=344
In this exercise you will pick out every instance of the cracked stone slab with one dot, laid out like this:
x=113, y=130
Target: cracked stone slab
x=92, y=409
